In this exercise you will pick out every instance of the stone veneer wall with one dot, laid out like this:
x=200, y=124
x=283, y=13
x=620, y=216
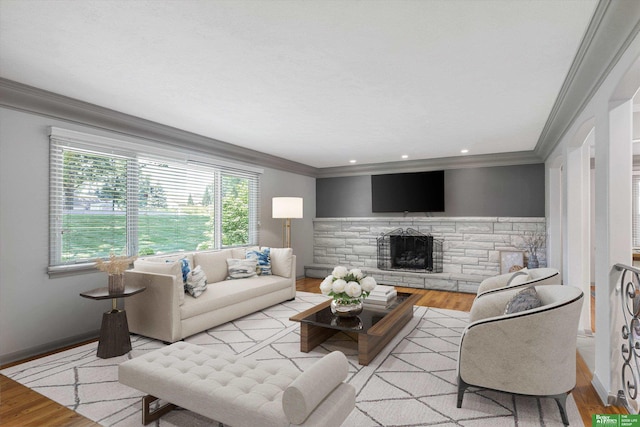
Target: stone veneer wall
x=471, y=247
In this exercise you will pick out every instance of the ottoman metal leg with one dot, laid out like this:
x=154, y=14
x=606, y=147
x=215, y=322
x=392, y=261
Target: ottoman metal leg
x=147, y=415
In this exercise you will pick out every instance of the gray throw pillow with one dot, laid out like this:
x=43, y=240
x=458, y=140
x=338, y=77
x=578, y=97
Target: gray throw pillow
x=241, y=268
x=526, y=299
x=196, y=282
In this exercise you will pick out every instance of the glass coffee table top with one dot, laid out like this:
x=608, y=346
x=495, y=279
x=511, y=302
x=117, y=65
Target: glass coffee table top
x=373, y=328
x=361, y=323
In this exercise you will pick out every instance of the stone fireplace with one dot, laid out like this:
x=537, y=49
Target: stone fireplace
x=409, y=250
x=470, y=248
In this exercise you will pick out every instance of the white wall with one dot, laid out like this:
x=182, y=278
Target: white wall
x=612, y=217
x=592, y=220
x=37, y=313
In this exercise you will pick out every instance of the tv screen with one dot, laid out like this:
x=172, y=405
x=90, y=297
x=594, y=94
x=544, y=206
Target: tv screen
x=408, y=192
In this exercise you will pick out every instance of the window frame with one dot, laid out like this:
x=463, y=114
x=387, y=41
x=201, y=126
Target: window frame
x=131, y=148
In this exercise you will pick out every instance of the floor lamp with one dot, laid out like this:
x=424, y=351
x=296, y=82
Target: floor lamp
x=287, y=208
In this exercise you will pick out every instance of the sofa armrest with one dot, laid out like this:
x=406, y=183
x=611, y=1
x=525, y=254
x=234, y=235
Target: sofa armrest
x=494, y=282
x=491, y=304
x=154, y=313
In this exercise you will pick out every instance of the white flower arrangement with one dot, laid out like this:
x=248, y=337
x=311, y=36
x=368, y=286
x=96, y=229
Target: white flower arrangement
x=347, y=286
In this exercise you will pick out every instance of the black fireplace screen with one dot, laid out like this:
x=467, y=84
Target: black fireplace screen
x=409, y=251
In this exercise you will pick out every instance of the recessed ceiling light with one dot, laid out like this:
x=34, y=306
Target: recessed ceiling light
x=352, y=161
x=464, y=151
x=404, y=156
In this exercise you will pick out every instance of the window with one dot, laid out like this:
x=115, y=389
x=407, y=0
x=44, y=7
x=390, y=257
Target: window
x=109, y=196
x=635, y=200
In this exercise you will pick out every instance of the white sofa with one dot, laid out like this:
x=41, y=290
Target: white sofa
x=164, y=312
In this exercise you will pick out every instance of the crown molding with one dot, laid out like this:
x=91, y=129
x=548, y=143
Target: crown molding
x=458, y=162
x=613, y=27
x=33, y=100
x=18, y=96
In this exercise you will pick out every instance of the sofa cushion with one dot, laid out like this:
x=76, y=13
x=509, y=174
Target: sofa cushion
x=241, y=268
x=173, y=268
x=281, y=259
x=175, y=257
x=526, y=299
x=214, y=264
x=231, y=292
x=241, y=253
x=263, y=259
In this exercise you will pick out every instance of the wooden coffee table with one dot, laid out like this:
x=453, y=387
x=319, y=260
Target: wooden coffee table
x=374, y=327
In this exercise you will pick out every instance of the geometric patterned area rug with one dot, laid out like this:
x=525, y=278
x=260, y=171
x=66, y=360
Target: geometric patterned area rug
x=412, y=382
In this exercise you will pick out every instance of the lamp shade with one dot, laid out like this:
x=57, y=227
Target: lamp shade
x=286, y=207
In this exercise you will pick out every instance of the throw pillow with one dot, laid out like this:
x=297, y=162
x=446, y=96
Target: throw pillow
x=281, y=259
x=263, y=259
x=518, y=278
x=185, y=268
x=241, y=268
x=526, y=299
x=196, y=282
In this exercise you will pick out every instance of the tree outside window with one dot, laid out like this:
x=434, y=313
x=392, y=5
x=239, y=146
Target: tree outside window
x=104, y=203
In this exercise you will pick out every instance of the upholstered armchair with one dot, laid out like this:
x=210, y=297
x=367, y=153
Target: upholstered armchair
x=521, y=279
x=530, y=352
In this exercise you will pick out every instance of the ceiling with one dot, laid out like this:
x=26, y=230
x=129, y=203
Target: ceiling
x=318, y=82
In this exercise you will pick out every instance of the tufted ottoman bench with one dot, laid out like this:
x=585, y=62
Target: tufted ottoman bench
x=238, y=391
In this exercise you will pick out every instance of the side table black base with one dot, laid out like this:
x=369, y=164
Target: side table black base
x=114, y=335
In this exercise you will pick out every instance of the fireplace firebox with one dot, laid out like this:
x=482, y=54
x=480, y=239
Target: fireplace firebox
x=409, y=250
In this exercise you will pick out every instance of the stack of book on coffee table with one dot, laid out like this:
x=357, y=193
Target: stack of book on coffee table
x=381, y=296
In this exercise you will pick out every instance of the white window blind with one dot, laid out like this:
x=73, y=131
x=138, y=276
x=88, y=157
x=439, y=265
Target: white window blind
x=635, y=200
x=109, y=196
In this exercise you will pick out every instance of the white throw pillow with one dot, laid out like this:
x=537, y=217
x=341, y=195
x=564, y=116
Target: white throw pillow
x=281, y=261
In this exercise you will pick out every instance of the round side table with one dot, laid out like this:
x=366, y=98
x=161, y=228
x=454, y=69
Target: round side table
x=114, y=332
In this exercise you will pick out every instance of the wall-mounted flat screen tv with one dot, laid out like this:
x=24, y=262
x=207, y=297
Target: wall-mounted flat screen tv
x=408, y=192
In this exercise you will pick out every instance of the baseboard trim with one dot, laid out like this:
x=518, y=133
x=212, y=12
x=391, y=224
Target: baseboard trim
x=17, y=356
x=601, y=391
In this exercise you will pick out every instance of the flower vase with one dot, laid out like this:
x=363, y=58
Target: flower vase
x=116, y=283
x=346, y=309
x=532, y=262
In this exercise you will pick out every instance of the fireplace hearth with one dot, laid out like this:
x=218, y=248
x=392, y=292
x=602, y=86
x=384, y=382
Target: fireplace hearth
x=409, y=250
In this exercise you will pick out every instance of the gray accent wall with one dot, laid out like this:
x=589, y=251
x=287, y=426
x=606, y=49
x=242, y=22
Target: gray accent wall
x=505, y=191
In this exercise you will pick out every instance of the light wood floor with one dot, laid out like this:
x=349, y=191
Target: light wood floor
x=22, y=407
